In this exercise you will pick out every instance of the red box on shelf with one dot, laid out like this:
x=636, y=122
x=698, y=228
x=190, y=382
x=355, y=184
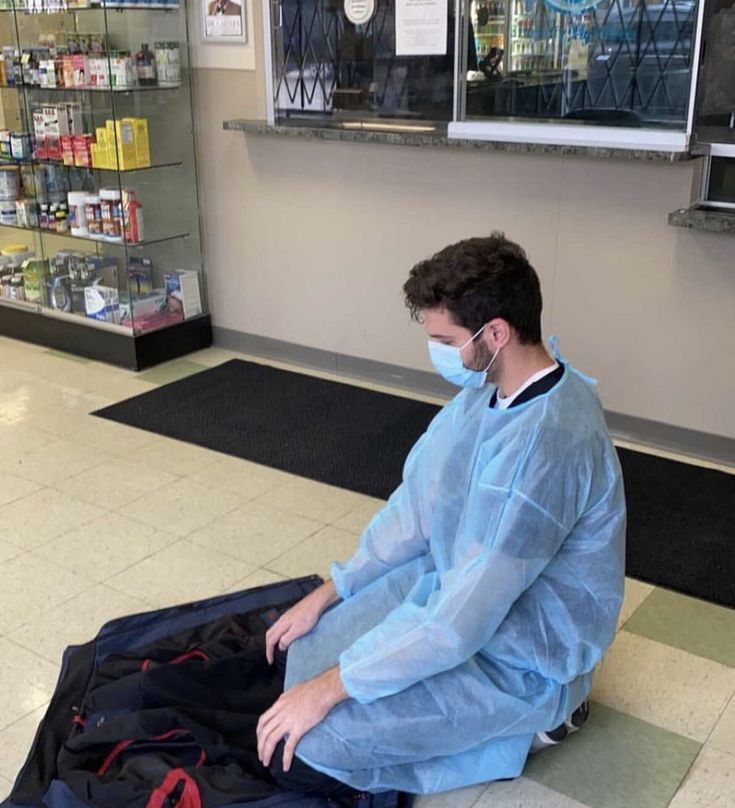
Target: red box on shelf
x=82, y=151
x=53, y=147
x=67, y=150
x=41, y=147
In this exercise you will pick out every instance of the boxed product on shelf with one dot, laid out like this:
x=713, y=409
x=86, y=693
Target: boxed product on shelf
x=144, y=305
x=59, y=293
x=102, y=303
x=80, y=68
x=82, y=148
x=125, y=138
x=35, y=274
x=182, y=291
x=67, y=150
x=140, y=276
x=142, y=142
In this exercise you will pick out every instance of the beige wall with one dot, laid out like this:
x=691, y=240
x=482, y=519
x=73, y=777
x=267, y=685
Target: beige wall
x=309, y=242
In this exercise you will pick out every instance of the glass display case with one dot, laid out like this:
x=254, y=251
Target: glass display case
x=100, y=248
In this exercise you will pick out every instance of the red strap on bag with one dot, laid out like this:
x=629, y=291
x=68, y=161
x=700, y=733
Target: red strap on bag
x=195, y=654
x=189, y=796
x=123, y=745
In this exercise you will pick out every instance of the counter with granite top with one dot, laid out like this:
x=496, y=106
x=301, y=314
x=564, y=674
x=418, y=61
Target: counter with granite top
x=429, y=136
x=706, y=219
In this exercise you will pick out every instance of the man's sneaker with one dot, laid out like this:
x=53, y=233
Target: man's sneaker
x=577, y=720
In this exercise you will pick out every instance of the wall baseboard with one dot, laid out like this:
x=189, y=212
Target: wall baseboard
x=702, y=445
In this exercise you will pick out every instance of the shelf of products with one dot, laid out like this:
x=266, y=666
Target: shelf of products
x=99, y=220
x=46, y=7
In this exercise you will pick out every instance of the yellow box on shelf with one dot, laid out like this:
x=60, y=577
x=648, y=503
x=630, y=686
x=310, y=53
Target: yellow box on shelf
x=126, y=155
x=142, y=142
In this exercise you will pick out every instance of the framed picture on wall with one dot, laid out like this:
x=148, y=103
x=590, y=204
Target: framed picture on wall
x=223, y=21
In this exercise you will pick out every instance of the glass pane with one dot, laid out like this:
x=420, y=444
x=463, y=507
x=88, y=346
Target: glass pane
x=326, y=67
x=96, y=106
x=617, y=62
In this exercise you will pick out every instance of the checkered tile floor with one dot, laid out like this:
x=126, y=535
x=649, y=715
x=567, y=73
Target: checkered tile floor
x=92, y=512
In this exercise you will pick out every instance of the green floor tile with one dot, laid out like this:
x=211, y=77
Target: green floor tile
x=692, y=625
x=616, y=761
x=71, y=357
x=171, y=371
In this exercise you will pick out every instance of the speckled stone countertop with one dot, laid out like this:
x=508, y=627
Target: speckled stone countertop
x=712, y=221
x=338, y=131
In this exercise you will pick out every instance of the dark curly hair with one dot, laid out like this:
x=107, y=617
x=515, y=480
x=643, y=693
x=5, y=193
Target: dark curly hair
x=477, y=280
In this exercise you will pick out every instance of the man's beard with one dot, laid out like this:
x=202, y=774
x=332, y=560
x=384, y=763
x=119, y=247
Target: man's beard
x=482, y=357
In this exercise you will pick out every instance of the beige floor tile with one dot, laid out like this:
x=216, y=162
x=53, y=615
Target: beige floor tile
x=18, y=438
x=723, y=735
x=635, y=593
x=31, y=585
x=667, y=687
x=115, y=484
x=175, y=456
x=7, y=551
x=88, y=430
x=23, y=399
x=62, y=414
x=55, y=462
x=16, y=740
x=5, y=786
x=105, y=546
x=258, y=578
x=40, y=517
x=74, y=622
x=182, y=507
x=28, y=682
x=710, y=782
x=13, y=487
x=459, y=798
x=255, y=533
x=211, y=357
x=247, y=480
x=122, y=389
x=180, y=573
x=316, y=554
x=323, y=503
x=358, y=518
x=524, y=793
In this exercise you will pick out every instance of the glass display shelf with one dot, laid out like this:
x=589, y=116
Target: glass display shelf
x=59, y=164
x=77, y=319
x=102, y=241
x=50, y=11
x=101, y=90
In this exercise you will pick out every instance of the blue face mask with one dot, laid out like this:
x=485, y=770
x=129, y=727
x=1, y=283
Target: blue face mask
x=447, y=361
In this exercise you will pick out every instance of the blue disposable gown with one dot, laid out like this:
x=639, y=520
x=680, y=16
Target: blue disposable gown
x=480, y=600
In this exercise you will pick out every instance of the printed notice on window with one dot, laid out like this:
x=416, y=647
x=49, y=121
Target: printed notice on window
x=421, y=27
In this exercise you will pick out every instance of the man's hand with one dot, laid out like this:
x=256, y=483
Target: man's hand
x=296, y=712
x=299, y=619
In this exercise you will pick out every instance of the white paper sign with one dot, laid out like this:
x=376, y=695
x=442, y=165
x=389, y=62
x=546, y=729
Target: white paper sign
x=421, y=27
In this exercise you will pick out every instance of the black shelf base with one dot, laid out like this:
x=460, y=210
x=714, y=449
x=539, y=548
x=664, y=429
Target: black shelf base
x=133, y=352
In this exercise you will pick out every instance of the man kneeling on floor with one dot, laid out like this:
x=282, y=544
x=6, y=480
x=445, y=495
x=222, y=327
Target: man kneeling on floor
x=482, y=596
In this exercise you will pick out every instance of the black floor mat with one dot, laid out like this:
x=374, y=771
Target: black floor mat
x=681, y=518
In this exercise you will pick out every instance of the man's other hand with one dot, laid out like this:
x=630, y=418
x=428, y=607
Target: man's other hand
x=299, y=619
x=296, y=712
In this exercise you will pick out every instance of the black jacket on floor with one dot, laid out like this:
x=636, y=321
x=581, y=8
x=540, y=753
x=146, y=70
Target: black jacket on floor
x=160, y=711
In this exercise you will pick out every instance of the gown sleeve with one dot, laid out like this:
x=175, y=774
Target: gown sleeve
x=399, y=532
x=519, y=528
